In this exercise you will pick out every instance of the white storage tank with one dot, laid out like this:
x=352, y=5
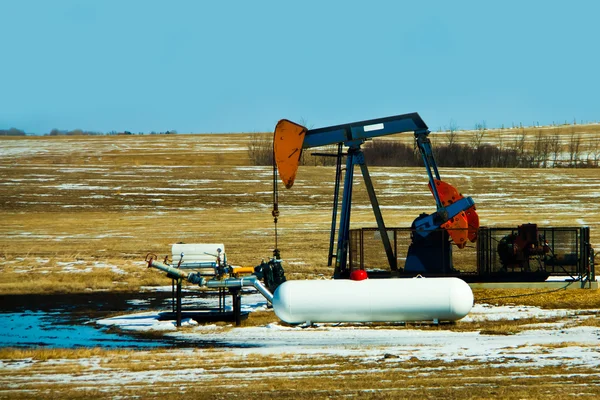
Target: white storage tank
x=373, y=300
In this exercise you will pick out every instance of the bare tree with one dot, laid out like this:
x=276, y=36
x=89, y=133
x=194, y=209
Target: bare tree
x=260, y=149
x=595, y=150
x=451, y=130
x=555, y=147
x=541, y=149
x=574, y=148
x=478, y=134
x=502, y=155
x=519, y=145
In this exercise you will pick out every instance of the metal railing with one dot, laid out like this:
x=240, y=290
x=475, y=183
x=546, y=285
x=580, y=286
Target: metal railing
x=564, y=251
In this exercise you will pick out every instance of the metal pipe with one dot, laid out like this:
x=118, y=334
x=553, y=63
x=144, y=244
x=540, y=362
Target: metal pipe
x=241, y=282
x=177, y=273
x=167, y=268
x=214, y=283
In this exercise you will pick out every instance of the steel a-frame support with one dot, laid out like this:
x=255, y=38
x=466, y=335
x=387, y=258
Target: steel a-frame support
x=356, y=157
x=336, y=201
x=424, y=145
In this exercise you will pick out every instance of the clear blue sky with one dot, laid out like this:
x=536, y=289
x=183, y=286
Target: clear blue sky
x=240, y=66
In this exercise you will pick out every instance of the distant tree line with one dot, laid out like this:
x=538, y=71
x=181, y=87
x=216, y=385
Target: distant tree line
x=542, y=151
x=12, y=132
x=526, y=149
x=260, y=152
x=79, y=132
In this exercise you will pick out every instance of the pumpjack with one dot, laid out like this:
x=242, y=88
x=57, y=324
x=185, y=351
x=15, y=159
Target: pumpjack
x=455, y=213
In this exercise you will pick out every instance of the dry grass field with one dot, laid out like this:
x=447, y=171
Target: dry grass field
x=80, y=214
x=71, y=204
x=220, y=374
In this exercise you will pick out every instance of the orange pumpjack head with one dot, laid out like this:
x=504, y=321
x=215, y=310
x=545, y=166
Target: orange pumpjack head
x=287, y=148
x=464, y=225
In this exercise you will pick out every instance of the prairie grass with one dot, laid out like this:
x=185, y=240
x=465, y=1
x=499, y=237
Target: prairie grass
x=261, y=318
x=120, y=197
x=484, y=327
x=110, y=200
x=548, y=299
x=503, y=327
x=218, y=374
x=10, y=353
x=593, y=321
x=31, y=276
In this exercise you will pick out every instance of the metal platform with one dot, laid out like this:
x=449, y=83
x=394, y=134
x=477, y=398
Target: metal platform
x=566, y=252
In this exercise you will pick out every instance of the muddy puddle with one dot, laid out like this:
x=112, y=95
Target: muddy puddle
x=68, y=320
x=43, y=329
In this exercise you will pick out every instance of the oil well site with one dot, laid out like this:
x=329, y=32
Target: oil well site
x=180, y=265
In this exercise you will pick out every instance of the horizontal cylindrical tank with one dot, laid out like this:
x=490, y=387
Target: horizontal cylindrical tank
x=373, y=300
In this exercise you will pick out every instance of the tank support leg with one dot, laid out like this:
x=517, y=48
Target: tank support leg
x=237, y=305
x=173, y=295
x=178, y=302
